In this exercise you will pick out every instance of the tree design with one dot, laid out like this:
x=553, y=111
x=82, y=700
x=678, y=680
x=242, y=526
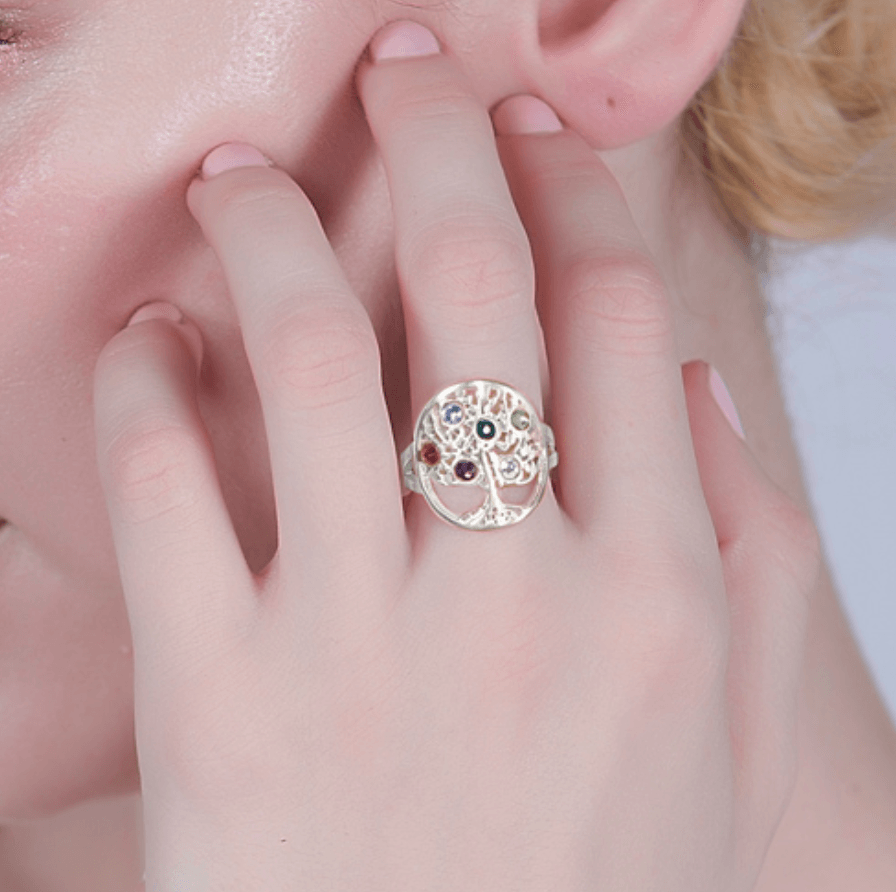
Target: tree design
x=482, y=433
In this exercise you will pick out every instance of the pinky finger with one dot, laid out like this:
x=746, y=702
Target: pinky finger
x=770, y=559
x=186, y=584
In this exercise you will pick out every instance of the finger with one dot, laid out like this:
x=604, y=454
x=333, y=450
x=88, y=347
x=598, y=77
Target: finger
x=770, y=559
x=316, y=363
x=617, y=404
x=463, y=259
x=186, y=584
x=465, y=269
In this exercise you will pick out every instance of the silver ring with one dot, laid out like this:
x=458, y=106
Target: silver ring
x=480, y=433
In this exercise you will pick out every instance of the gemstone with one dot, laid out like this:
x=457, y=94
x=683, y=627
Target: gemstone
x=485, y=429
x=429, y=454
x=465, y=470
x=510, y=468
x=452, y=414
x=520, y=420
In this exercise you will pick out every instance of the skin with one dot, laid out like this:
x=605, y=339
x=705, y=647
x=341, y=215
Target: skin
x=110, y=200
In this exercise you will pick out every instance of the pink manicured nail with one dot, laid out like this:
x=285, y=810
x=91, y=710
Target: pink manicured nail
x=525, y=114
x=163, y=310
x=726, y=404
x=400, y=40
x=231, y=155
x=158, y=310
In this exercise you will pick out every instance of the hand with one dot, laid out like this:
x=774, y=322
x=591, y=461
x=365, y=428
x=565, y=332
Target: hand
x=600, y=697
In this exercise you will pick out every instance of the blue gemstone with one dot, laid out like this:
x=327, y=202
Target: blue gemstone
x=452, y=414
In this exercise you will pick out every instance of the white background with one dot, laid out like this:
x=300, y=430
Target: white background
x=833, y=324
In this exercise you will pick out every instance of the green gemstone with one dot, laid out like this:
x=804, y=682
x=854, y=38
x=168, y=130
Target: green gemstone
x=486, y=429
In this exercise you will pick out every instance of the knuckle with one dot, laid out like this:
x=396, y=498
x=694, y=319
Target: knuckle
x=794, y=540
x=677, y=657
x=436, y=103
x=257, y=195
x=785, y=771
x=620, y=302
x=484, y=275
x=674, y=639
x=148, y=464
x=772, y=772
x=684, y=647
x=684, y=663
x=322, y=356
x=575, y=171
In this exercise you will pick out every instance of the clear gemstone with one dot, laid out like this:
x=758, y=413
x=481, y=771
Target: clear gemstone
x=510, y=468
x=520, y=420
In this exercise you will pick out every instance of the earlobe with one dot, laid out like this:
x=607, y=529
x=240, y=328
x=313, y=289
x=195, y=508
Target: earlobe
x=619, y=71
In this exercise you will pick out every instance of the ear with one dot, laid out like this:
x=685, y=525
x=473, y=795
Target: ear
x=618, y=71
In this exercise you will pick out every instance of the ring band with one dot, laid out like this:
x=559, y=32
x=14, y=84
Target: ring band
x=480, y=433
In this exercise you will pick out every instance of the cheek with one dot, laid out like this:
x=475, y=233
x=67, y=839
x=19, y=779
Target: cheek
x=50, y=236
x=49, y=486
x=76, y=277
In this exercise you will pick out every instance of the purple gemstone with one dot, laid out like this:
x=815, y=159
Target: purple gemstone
x=465, y=470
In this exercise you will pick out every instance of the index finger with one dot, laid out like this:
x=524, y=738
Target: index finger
x=618, y=406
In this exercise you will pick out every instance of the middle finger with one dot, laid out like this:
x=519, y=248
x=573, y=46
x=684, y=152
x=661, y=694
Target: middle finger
x=462, y=255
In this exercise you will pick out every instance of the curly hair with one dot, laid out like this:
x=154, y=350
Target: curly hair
x=794, y=131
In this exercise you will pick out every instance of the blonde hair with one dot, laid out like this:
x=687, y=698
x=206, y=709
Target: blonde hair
x=795, y=131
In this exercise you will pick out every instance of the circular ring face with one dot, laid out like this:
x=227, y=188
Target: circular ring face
x=481, y=434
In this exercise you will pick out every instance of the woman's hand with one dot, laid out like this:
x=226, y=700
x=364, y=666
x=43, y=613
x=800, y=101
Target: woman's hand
x=600, y=697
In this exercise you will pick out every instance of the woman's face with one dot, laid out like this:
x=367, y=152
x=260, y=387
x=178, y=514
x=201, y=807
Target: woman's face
x=107, y=108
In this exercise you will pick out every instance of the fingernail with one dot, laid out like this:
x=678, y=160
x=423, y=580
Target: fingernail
x=400, y=40
x=231, y=155
x=726, y=404
x=163, y=310
x=525, y=114
x=158, y=310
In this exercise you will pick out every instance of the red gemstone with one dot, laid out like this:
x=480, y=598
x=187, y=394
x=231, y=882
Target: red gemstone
x=430, y=454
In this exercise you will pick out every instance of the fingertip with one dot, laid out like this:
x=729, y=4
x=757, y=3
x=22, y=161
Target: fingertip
x=525, y=114
x=697, y=371
x=231, y=156
x=189, y=331
x=700, y=374
x=156, y=310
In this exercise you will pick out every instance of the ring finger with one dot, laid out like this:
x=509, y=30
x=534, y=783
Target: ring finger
x=462, y=255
